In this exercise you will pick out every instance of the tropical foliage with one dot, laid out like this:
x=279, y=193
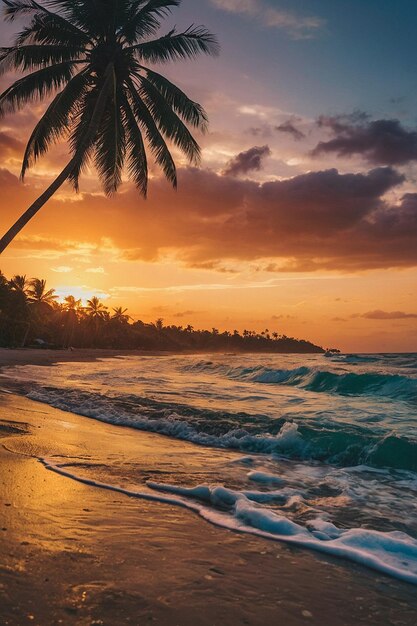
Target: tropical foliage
x=90, y=59
x=31, y=316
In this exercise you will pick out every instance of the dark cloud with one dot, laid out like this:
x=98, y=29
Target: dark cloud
x=381, y=142
x=290, y=128
x=388, y=315
x=266, y=130
x=283, y=317
x=182, y=314
x=248, y=161
x=10, y=145
x=317, y=221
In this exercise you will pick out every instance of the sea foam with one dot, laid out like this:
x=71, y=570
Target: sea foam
x=393, y=553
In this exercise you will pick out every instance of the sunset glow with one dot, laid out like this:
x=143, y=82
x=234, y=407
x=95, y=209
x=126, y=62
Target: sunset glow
x=303, y=215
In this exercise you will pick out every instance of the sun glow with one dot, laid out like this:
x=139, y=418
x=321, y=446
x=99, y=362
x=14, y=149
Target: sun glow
x=82, y=293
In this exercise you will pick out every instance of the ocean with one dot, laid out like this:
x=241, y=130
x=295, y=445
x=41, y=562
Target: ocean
x=319, y=451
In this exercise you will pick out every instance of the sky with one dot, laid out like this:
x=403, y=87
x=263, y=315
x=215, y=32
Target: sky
x=302, y=217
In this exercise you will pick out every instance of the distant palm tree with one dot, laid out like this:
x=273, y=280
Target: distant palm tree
x=71, y=304
x=120, y=315
x=159, y=324
x=20, y=284
x=72, y=308
x=39, y=293
x=96, y=310
x=93, y=52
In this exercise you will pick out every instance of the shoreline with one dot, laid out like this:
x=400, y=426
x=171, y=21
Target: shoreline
x=63, y=540
x=39, y=356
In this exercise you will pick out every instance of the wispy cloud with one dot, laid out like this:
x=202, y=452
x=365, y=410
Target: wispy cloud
x=297, y=26
x=266, y=284
x=95, y=270
x=388, y=315
x=62, y=269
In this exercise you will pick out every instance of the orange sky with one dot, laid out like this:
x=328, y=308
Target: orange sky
x=320, y=246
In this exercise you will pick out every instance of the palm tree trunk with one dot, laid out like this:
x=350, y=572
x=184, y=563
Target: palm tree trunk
x=38, y=204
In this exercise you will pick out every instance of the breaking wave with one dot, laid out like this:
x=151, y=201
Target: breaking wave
x=337, y=443
x=395, y=386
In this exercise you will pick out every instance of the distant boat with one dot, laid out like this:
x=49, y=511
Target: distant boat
x=332, y=352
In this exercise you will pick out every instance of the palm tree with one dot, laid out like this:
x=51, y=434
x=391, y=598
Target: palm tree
x=96, y=310
x=92, y=56
x=20, y=284
x=71, y=304
x=71, y=307
x=120, y=315
x=159, y=324
x=38, y=292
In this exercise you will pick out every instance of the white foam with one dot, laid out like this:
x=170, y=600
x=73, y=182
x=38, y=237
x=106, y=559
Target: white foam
x=393, y=553
x=172, y=424
x=267, y=479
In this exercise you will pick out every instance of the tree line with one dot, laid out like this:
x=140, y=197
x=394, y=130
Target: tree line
x=32, y=316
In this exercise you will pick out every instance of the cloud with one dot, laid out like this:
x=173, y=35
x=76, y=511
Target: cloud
x=290, y=128
x=95, y=270
x=248, y=161
x=62, y=269
x=388, y=315
x=282, y=317
x=314, y=222
x=380, y=142
x=297, y=26
x=182, y=314
x=9, y=145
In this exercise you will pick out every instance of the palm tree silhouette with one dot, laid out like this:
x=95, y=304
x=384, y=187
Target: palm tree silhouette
x=20, y=284
x=72, y=307
x=39, y=293
x=120, y=315
x=94, y=53
x=96, y=310
x=71, y=304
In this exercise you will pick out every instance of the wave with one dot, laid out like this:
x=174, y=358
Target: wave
x=330, y=442
x=393, y=553
x=394, y=386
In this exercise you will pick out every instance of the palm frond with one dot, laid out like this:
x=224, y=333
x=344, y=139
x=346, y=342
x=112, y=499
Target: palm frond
x=87, y=123
x=54, y=122
x=168, y=121
x=193, y=41
x=33, y=57
x=45, y=28
x=19, y=8
x=110, y=145
x=92, y=17
x=16, y=9
x=154, y=138
x=135, y=148
x=144, y=18
x=35, y=86
x=191, y=112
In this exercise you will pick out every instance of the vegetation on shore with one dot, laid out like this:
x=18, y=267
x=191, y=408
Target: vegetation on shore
x=30, y=315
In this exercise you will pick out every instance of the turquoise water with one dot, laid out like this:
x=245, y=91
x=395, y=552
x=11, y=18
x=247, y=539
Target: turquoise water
x=327, y=445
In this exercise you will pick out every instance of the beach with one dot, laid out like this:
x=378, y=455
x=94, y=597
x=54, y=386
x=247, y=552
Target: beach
x=75, y=553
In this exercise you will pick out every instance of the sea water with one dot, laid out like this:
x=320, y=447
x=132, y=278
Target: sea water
x=326, y=447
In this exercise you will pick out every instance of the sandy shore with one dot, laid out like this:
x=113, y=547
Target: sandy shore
x=28, y=356
x=74, y=554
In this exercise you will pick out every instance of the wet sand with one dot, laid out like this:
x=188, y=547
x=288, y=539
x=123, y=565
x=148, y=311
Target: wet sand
x=34, y=356
x=74, y=554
